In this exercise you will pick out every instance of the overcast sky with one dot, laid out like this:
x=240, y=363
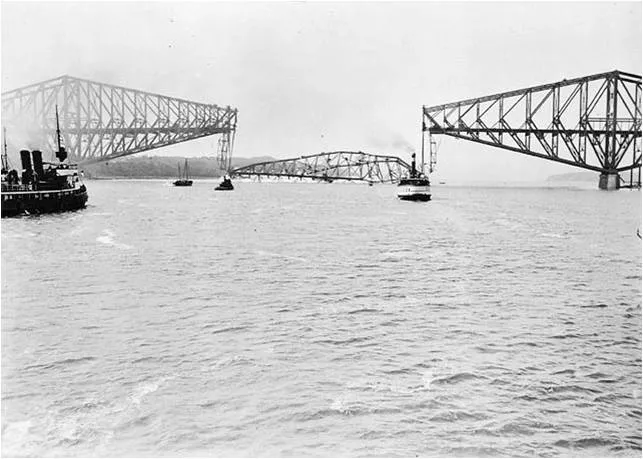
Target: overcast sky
x=309, y=77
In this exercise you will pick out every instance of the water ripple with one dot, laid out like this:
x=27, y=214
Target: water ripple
x=288, y=320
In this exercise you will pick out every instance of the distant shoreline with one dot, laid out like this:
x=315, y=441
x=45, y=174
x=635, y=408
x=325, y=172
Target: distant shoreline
x=146, y=177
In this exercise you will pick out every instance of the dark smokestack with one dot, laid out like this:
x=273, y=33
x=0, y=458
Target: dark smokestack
x=25, y=157
x=27, y=175
x=37, y=163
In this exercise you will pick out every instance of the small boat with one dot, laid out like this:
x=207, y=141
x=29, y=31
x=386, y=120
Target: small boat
x=225, y=185
x=184, y=180
x=39, y=190
x=415, y=187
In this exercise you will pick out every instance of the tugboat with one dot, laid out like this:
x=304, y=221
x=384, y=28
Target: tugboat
x=38, y=190
x=225, y=185
x=184, y=181
x=416, y=187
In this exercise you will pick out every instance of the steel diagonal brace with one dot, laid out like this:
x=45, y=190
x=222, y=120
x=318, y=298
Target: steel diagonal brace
x=625, y=143
x=488, y=132
x=436, y=125
x=637, y=163
x=625, y=103
x=513, y=135
x=541, y=138
x=595, y=142
x=569, y=142
x=632, y=99
x=569, y=99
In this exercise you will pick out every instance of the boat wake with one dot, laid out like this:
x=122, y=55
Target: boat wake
x=107, y=238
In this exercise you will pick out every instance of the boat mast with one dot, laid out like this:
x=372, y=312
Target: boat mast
x=57, y=129
x=61, y=154
x=422, y=162
x=187, y=176
x=5, y=158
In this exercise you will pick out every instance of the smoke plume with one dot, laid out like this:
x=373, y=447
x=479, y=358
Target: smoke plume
x=23, y=134
x=396, y=144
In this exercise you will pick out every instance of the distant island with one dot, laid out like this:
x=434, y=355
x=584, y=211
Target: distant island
x=162, y=167
x=583, y=176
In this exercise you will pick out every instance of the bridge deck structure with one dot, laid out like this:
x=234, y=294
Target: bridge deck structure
x=591, y=122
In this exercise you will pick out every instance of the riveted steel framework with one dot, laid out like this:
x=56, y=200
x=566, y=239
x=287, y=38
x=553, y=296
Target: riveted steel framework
x=558, y=122
x=100, y=122
x=337, y=165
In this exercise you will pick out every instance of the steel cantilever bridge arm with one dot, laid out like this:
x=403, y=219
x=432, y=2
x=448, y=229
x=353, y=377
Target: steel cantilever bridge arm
x=562, y=121
x=100, y=121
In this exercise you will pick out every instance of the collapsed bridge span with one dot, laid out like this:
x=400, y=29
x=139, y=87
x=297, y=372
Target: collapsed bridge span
x=336, y=165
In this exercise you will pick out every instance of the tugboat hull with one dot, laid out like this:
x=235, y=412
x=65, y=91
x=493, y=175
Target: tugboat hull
x=225, y=185
x=415, y=197
x=414, y=189
x=41, y=202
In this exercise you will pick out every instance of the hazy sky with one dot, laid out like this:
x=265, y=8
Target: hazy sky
x=309, y=77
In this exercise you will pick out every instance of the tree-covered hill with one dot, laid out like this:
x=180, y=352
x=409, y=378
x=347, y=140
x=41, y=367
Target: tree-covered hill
x=162, y=167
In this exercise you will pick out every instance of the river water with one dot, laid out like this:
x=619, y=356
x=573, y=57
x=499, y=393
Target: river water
x=301, y=319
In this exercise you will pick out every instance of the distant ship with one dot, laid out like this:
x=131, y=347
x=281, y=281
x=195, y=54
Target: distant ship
x=225, y=185
x=415, y=187
x=184, y=180
x=37, y=190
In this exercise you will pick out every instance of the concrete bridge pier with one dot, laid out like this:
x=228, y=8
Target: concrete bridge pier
x=608, y=181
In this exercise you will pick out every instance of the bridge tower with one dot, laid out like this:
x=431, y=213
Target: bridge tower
x=562, y=122
x=100, y=122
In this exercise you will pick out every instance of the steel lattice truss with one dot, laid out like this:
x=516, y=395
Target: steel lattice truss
x=559, y=121
x=99, y=122
x=337, y=165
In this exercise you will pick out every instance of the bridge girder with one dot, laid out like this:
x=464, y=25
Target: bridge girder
x=337, y=165
x=558, y=121
x=100, y=122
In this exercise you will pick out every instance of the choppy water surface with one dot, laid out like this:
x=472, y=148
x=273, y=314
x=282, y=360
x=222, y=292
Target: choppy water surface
x=324, y=320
